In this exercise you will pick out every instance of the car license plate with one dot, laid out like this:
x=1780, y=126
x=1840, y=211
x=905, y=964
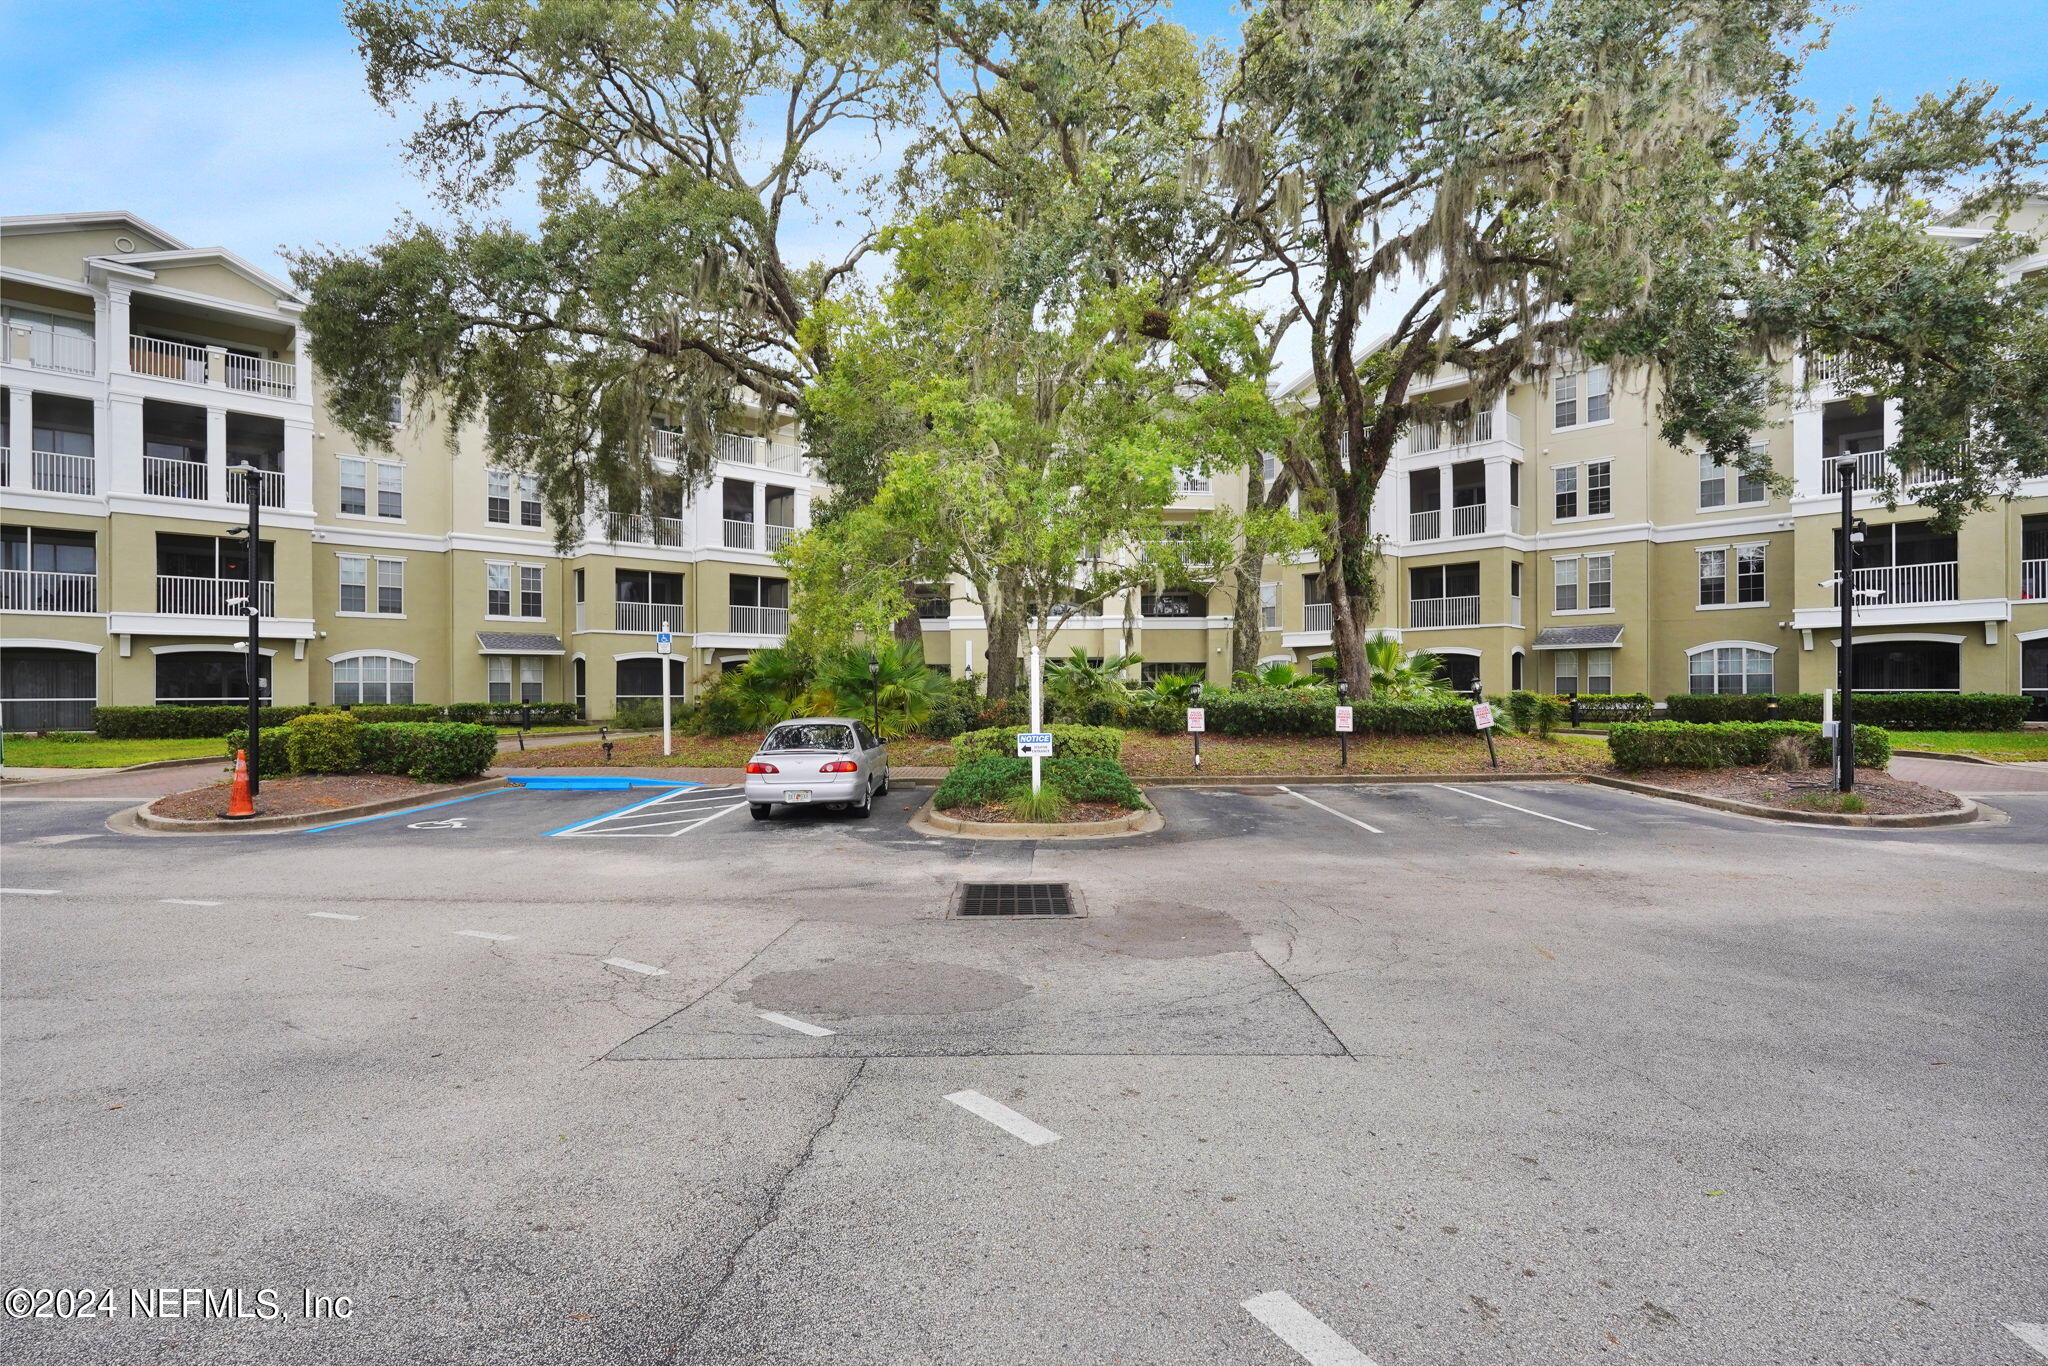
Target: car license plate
x=797, y=794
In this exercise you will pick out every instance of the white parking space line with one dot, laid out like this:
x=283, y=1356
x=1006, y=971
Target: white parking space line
x=485, y=934
x=800, y=1026
x=331, y=915
x=181, y=901
x=629, y=965
x=1313, y=1340
x=656, y=829
x=685, y=810
x=2035, y=1335
x=1523, y=809
x=1334, y=811
x=30, y=891
x=1004, y=1118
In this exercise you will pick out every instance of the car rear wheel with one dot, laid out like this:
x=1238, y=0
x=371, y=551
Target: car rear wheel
x=758, y=810
x=864, y=807
x=883, y=790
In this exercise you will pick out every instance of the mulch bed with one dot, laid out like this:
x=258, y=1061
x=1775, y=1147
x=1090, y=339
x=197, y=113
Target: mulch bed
x=295, y=796
x=1082, y=811
x=1883, y=795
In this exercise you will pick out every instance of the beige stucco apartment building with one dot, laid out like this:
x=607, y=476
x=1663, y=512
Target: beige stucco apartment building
x=1553, y=543
x=141, y=376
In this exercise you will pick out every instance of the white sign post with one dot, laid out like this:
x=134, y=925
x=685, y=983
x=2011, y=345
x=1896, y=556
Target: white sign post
x=1037, y=720
x=664, y=642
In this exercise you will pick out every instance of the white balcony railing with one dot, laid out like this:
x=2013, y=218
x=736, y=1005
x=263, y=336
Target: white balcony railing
x=738, y=535
x=1426, y=526
x=167, y=359
x=1469, y=520
x=736, y=447
x=1874, y=469
x=643, y=529
x=39, y=590
x=1186, y=481
x=2034, y=579
x=1315, y=616
x=777, y=536
x=169, y=478
x=1890, y=585
x=759, y=621
x=1461, y=611
x=270, y=493
x=648, y=616
x=56, y=472
x=1486, y=425
x=64, y=351
x=256, y=375
x=188, y=596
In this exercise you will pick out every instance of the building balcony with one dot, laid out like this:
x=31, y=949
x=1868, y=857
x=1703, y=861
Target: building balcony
x=166, y=477
x=739, y=535
x=38, y=590
x=1492, y=424
x=1471, y=519
x=1459, y=611
x=183, y=595
x=66, y=353
x=1315, y=616
x=745, y=450
x=648, y=616
x=642, y=529
x=213, y=366
x=49, y=472
x=2034, y=580
x=777, y=536
x=759, y=621
x=1874, y=470
x=1899, y=584
x=270, y=486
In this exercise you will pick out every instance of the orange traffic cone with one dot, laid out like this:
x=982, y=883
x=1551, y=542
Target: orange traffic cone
x=240, y=808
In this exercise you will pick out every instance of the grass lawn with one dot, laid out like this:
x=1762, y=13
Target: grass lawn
x=2007, y=746
x=33, y=753
x=1149, y=755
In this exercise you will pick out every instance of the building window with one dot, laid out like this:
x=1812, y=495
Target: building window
x=1564, y=671
x=1564, y=580
x=1567, y=478
x=1176, y=602
x=497, y=588
x=1599, y=488
x=1567, y=676
x=529, y=500
x=208, y=678
x=356, y=574
x=375, y=679
x=514, y=678
x=1714, y=477
x=1713, y=577
x=1569, y=392
x=1730, y=669
x=1269, y=606
x=529, y=590
x=1749, y=574
x=498, y=497
x=1151, y=673
x=1514, y=578
x=357, y=475
x=1600, y=671
x=1599, y=583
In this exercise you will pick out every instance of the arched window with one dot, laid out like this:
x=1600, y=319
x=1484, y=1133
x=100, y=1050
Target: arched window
x=1734, y=667
x=640, y=676
x=207, y=678
x=374, y=679
x=1887, y=664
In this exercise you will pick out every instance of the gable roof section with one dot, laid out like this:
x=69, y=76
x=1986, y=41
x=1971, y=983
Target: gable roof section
x=152, y=261
x=24, y=223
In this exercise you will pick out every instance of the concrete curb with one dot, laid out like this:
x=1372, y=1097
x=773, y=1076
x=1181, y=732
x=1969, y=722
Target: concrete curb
x=141, y=821
x=1968, y=813
x=930, y=822
x=1949, y=758
x=1306, y=779
x=79, y=775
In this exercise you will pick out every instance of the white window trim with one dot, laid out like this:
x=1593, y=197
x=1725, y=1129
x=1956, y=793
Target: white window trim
x=1580, y=559
x=370, y=490
x=1580, y=490
x=1731, y=476
x=515, y=566
x=369, y=587
x=1579, y=399
x=1770, y=650
x=1729, y=577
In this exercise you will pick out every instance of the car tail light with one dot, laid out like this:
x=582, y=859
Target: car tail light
x=762, y=768
x=840, y=766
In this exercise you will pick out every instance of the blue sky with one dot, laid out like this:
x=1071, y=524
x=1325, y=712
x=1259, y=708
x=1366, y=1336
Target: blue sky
x=242, y=123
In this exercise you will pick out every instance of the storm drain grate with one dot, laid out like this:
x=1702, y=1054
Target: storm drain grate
x=1015, y=899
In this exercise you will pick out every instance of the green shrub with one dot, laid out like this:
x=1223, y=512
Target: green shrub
x=325, y=742
x=1068, y=742
x=1534, y=713
x=1893, y=710
x=982, y=781
x=644, y=713
x=433, y=752
x=1046, y=804
x=273, y=758
x=509, y=713
x=183, y=723
x=1638, y=745
x=1610, y=706
x=398, y=711
x=1308, y=711
x=1093, y=780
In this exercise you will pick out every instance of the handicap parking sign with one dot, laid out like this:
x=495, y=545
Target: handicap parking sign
x=664, y=641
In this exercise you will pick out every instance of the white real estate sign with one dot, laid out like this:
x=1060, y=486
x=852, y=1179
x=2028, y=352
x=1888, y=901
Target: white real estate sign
x=1344, y=720
x=1482, y=715
x=1198, y=720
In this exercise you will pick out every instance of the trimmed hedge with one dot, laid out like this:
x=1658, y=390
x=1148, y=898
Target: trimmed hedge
x=1093, y=780
x=325, y=742
x=274, y=759
x=374, y=712
x=1895, y=710
x=1610, y=706
x=1068, y=742
x=442, y=752
x=992, y=778
x=1308, y=711
x=508, y=713
x=183, y=723
x=1638, y=745
x=1534, y=713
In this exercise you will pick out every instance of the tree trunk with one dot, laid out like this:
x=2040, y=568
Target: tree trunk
x=1000, y=678
x=1247, y=630
x=1348, y=579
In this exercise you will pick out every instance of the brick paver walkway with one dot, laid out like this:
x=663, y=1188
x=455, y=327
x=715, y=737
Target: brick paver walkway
x=1971, y=780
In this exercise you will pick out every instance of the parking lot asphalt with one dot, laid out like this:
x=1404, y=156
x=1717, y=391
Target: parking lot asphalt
x=1416, y=1074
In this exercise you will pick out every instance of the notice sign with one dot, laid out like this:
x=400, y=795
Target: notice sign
x=1344, y=720
x=1198, y=720
x=1482, y=715
x=1032, y=744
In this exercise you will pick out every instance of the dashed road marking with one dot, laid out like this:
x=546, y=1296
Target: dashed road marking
x=2035, y=1335
x=31, y=891
x=182, y=901
x=800, y=1026
x=1334, y=811
x=485, y=934
x=331, y=915
x=1313, y=1340
x=631, y=966
x=1004, y=1118
x=1523, y=809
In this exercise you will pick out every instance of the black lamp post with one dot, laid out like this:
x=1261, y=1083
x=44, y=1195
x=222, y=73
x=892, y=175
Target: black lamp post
x=253, y=608
x=875, y=687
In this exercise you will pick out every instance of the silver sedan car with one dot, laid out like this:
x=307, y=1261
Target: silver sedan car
x=819, y=761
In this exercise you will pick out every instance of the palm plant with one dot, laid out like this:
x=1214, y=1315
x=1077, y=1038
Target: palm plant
x=1074, y=682
x=1278, y=675
x=768, y=689
x=1175, y=688
x=891, y=688
x=1395, y=674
